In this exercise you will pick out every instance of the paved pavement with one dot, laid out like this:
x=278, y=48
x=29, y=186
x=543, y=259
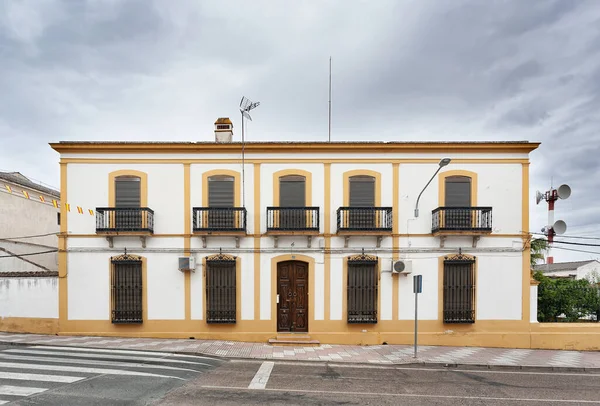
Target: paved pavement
x=378, y=354
x=252, y=382
x=52, y=375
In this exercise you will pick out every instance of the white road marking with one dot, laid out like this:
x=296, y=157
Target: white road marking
x=102, y=356
x=132, y=352
x=262, y=376
x=2, y=402
x=408, y=395
x=82, y=370
x=92, y=362
x=40, y=378
x=20, y=390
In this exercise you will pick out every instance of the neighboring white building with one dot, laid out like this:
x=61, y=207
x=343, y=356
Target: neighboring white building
x=26, y=210
x=302, y=239
x=575, y=270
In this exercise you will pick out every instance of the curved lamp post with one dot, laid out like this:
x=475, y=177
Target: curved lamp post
x=443, y=162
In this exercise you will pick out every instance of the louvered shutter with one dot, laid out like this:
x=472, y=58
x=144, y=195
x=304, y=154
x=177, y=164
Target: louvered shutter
x=220, y=191
x=458, y=191
x=362, y=191
x=292, y=191
x=127, y=192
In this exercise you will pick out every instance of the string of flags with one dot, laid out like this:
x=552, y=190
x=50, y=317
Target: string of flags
x=53, y=202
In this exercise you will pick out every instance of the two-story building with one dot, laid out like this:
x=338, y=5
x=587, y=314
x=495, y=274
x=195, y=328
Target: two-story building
x=297, y=241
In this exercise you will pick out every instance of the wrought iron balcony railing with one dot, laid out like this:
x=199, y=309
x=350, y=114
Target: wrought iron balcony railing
x=474, y=219
x=215, y=219
x=119, y=219
x=292, y=219
x=364, y=219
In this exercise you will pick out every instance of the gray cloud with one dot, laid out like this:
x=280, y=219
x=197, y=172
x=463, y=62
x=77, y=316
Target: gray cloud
x=460, y=70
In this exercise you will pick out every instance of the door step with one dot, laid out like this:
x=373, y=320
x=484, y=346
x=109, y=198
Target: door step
x=294, y=339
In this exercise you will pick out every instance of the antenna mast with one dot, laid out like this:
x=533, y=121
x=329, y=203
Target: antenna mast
x=330, y=99
x=245, y=106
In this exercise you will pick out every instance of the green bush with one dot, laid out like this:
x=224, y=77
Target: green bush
x=567, y=299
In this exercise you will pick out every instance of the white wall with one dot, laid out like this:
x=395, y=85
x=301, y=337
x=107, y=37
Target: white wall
x=499, y=186
x=499, y=287
x=533, y=303
x=88, y=187
x=29, y=297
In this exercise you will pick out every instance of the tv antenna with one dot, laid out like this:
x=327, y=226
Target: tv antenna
x=246, y=105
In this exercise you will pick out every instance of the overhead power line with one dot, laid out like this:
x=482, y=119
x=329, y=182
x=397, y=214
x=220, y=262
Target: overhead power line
x=580, y=237
x=576, y=243
x=576, y=250
x=27, y=255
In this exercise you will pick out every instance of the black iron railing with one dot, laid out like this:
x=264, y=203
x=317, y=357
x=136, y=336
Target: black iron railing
x=364, y=219
x=362, y=290
x=461, y=219
x=292, y=219
x=459, y=291
x=221, y=290
x=124, y=219
x=219, y=219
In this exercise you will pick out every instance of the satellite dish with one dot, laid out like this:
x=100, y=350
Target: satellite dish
x=399, y=266
x=559, y=227
x=245, y=114
x=538, y=197
x=564, y=191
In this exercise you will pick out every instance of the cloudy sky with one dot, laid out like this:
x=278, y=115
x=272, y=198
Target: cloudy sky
x=415, y=70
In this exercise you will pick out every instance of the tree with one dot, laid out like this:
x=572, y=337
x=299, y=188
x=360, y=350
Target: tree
x=539, y=246
x=566, y=299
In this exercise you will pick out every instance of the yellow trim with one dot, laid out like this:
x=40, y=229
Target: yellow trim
x=311, y=286
x=29, y=325
x=63, y=295
x=286, y=172
x=441, y=294
x=187, y=229
x=395, y=238
x=227, y=172
x=524, y=236
x=128, y=172
x=256, y=231
x=277, y=147
x=327, y=255
x=344, y=320
x=238, y=294
x=526, y=295
x=144, y=294
x=364, y=172
x=457, y=172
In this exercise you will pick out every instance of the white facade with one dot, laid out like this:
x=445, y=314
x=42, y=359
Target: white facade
x=175, y=301
x=29, y=297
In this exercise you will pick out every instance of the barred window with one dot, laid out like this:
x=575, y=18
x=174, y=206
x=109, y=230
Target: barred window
x=362, y=289
x=220, y=289
x=126, y=289
x=459, y=289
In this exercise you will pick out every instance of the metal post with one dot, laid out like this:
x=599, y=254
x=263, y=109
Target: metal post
x=416, y=320
x=243, y=165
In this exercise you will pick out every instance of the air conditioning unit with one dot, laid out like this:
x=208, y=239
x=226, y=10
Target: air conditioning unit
x=402, y=267
x=187, y=263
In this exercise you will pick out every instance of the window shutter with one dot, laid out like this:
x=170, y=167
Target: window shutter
x=220, y=191
x=362, y=191
x=127, y=192
x=458, y=191
x=292, y=191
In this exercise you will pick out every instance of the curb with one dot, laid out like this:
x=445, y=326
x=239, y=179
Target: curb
x=408, y=363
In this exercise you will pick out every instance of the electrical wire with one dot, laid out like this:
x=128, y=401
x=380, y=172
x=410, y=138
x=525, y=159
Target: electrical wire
x=28, y=236
x=576, y=250
x=573, y=236
x=576, y=243
x=27, y=255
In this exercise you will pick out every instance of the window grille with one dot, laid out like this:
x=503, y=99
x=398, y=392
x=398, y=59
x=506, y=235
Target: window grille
x=220, y=289
x=362, y=289
x=126, y=291
x=459, y=289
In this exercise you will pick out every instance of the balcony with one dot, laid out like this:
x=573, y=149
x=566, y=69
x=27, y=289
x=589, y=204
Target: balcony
x=136, y=221
x=219, y=220
x=361, y=220
x=469, y=221
x=292, y=220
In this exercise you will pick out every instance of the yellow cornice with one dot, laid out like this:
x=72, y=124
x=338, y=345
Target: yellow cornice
x=294, y=147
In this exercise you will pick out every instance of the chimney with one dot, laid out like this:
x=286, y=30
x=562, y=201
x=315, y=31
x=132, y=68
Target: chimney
x=223, y=130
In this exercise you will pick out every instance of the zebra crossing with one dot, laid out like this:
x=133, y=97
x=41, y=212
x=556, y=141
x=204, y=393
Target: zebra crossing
x=34, y=372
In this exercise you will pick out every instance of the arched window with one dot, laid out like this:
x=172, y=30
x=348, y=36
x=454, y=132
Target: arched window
x=362, y=191
x=128, y=191
x=292, y=191
x=221, y=191
x=458, y=191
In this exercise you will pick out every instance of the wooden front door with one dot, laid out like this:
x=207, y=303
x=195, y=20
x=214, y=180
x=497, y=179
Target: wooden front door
x=292, y=294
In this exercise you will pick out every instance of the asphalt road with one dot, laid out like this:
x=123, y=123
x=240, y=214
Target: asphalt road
x=286, y=383
x=38, y=375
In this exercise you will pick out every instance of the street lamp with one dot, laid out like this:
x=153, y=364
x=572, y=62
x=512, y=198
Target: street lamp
x=443, y=162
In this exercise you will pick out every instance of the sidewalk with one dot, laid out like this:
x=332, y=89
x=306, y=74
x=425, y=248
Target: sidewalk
x=377, y=354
